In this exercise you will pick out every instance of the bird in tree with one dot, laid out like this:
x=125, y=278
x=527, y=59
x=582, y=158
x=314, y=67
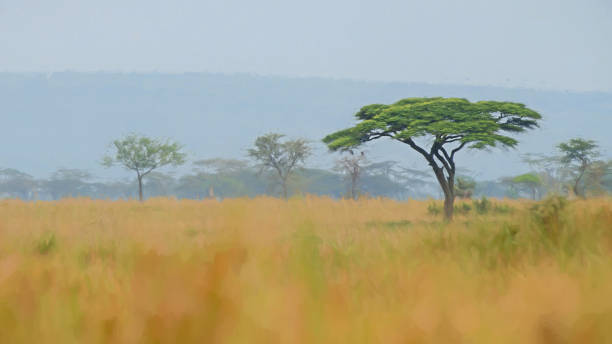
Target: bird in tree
x=438, y=128
x=578, y=155
x=143, y=155
x=282, y=158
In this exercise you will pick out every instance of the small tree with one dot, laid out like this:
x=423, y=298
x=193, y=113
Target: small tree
x=578, y=155
x=464, y=188
x=598, y=177
x=281, y=158
x=551, y=173
x=529, y=182
x=142, y=155
x=450, y=124
x=352, y=166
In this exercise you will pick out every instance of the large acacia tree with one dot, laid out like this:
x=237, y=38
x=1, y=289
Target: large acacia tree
x=438, y=128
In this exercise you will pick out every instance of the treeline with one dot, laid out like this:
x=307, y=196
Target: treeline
x=218, y=178
x=227, y=178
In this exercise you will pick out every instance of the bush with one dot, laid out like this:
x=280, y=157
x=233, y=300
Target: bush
x=462, y=208
x=550, y=213
x=46, y=244
x=434, y=209
x=483, y=206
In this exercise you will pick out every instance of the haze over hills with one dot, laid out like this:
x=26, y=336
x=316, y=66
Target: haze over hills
x=68, y=119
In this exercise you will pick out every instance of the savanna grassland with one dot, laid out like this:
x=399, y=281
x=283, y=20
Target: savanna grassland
x=305, y=271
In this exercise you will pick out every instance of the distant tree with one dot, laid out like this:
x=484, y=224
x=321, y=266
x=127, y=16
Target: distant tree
x=17, y=184
x=221, y=165
x=598, y=177
x=389, y=178
x=553, y=175
x=280, y=158
x=464, y=187
x=142, y=155
x=449, y=124
x=68, y=182
x=351, y=166
x=221, y=177
x=530, y=182
x=160, y=184
x=578, y=155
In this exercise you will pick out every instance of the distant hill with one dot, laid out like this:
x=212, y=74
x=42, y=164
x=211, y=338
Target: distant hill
x=68, y=119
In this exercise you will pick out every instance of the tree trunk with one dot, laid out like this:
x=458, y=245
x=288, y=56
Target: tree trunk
x=140, y=188
x=447, y=186
x=582, y=170
x=284, y=185
x=448, y=207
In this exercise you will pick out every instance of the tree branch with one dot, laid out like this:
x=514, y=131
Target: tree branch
x=444, y=162
x=448, y=158
x=423, y=152
x=457, y=149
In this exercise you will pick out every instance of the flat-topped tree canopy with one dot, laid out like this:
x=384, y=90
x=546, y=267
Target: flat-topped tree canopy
x=446, y=119
x=452, y=123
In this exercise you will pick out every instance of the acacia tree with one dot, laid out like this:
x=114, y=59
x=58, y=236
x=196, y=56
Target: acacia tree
x=450, y=124
x=531, y=182
x=143, y=154
x=17, y=184
x=352, y=166
x=282, y=158
x=578, y=155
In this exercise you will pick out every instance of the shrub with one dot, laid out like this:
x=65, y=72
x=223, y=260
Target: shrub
x=550, y=213
x=462, y=208
x=483, y=206
x=46, y=243
x=434, y=209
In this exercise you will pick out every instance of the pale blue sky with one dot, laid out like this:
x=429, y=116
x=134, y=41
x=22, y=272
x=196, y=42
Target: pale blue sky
x=554, y=44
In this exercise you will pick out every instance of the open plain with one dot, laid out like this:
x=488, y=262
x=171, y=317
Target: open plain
x=307, y=270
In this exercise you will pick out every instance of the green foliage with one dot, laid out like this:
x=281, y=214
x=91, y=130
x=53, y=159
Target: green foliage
x=450, y=124
x=527, y=182
x=280, y=158
x=578, y=150
x=598, y=178
x=527, y=178
x=462, y=208
x=464, y=187
x=390, y=225
x=483, y=205
x=434, y=209
x=46, y=244
x=578, y=155
x=446, y=119
x=143, y=154
x=550, y=213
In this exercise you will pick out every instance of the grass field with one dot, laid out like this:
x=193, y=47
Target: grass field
x=304, y=271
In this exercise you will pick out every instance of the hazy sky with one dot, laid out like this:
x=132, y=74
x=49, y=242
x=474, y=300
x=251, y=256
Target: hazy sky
x=557, y=44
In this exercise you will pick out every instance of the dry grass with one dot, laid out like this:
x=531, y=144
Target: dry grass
x=305, y=271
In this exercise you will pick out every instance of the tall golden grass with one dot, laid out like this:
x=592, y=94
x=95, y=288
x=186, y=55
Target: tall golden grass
x=310, y=270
